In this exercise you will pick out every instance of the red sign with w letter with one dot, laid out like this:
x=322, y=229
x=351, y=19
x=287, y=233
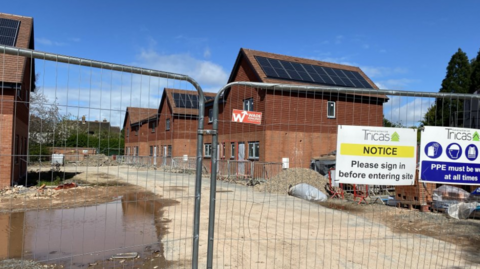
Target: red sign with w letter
x=247, y=116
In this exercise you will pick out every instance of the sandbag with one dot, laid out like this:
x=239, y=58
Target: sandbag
x=307, y=192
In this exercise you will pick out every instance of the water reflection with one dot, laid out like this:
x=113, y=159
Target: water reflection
x=82, y=235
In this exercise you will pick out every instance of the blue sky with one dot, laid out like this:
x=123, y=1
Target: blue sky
x=402, y=45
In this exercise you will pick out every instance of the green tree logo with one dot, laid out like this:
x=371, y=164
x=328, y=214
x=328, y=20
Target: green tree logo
x=396, y=137
x=475, y=137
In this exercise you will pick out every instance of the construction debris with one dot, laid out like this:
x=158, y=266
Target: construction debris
x=96, y=161
x=293, y=176
x=34, y=192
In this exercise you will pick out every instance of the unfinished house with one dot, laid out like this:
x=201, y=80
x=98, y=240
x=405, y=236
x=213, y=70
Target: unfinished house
x=136, y=130
x=16, y=83
x=299, y=125
x=170, y=131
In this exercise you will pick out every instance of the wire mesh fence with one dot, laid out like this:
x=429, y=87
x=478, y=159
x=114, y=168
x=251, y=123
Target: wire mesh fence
x=81, y=144
x=100, y=168
x=282, y=223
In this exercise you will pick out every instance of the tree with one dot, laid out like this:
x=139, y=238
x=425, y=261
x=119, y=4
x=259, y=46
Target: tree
x=44, y=118
x=447, y=112
x=475, y=76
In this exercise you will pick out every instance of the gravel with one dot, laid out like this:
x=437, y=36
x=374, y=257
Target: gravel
x=20, y=264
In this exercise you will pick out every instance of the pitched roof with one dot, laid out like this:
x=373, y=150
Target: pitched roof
x=249, y=56
x=138, y=114
x=12, y=67
x=168, y=95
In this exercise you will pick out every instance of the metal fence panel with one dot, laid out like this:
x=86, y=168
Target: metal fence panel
x=255, y=222
x=115, y=197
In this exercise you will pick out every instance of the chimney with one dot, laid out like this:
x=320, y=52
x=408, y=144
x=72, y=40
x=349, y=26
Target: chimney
x=105, y=120
x=83, y=119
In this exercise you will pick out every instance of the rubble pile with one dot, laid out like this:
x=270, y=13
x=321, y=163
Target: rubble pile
x=289, y=177
x=35, y=192
x=96, y=161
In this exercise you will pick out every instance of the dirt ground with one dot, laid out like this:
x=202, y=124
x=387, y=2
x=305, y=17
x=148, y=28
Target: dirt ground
x=262, y=227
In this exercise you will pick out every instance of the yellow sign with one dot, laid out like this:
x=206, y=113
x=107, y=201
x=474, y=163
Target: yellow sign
x=377, y=150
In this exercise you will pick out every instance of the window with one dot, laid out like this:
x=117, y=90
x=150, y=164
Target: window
x=169, y=151
x=167, y=127
x=248, y=104
x=232, y=150
x=135, y=151
x=19, y=93
x=253, y=150
x=223, y=150
x=208, y=150
x=153, y=125
x=210, y=115
x=151, y=150
x=136, y=130
x=128, y=151
x=331, y=109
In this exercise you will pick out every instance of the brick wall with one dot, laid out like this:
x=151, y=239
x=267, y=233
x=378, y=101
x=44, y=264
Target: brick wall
x=294, y=125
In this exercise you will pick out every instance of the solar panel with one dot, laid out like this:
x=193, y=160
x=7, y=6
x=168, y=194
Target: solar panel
x=8, y=31
x=183, y=100
x=287, y=70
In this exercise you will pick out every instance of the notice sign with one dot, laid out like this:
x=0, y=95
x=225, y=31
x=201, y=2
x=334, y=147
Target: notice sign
x=247, y=116
x=450, y=155
x=376, y=155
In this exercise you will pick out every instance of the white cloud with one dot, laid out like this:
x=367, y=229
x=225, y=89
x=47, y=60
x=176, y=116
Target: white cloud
x=396, y=84
x=380, y=71
x=102, y=94
x=207, y=73
x=406, y=110
x=48, y=42
x=207, y=53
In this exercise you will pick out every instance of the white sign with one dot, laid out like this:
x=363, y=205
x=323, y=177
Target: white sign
x=376, y=155
x=449, y=155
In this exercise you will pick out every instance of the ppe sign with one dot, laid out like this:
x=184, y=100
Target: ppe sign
x=376, y=155
x=449, y=155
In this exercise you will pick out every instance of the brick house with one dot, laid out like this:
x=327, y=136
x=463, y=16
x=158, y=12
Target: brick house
x=136, y=131
x=170, y=131
x=298, y=125
x=16, y=83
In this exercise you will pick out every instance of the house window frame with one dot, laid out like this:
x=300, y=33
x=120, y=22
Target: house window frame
x=330, y=115
x=167, y=125
x=207, y=150
x=253, y=154
x=248, y=104
x=232, y=150
x=169, y=150
x=210, y=115
x=154, y=125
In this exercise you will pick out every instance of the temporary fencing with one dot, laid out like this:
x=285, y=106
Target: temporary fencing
x=102, y=204
x=359, y=226
x=135, y=201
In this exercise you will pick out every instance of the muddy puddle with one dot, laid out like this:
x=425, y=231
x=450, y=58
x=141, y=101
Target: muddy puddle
x=77, y=237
